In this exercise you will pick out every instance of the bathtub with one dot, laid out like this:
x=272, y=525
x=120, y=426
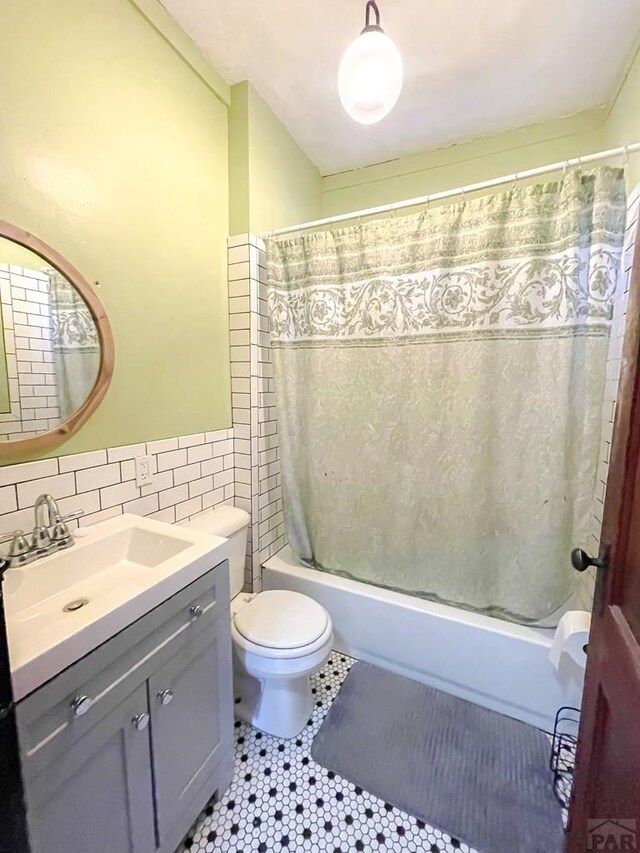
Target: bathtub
x=493, y=663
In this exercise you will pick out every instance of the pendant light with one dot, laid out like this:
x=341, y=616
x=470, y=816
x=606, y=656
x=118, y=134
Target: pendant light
x=370, y=74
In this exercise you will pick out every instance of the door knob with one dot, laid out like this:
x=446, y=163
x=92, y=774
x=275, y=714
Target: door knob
x=196, y=611
x=581, y=561
x=140, y=722
x=165, y=697
x=80, y=705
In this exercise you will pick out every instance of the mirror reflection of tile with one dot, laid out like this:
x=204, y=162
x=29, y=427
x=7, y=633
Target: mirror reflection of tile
x=35, y=366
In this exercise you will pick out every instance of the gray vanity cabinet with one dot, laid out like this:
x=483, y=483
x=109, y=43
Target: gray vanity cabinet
x=99, y=796
x=189, y=718
x=122, y=750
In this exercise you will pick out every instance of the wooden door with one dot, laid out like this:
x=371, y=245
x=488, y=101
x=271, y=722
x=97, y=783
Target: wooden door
x=605, y=809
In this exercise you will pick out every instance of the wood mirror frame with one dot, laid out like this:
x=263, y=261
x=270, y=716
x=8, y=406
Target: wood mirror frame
x=65, y=429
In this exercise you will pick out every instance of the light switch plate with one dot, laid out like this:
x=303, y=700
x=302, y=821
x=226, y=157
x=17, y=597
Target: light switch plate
x=144, y=470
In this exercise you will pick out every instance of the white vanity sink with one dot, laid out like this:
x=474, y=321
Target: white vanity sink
x=62, y=607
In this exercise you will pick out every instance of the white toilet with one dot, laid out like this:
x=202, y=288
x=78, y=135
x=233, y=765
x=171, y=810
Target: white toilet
x=279, y=639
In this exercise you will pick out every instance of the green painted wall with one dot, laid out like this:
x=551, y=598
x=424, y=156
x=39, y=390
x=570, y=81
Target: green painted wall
x=13, y=253
x=478, y=160
x=114, y=150
x=273, y=183
x=623, y=122
x=286, y=187
x=239, y=177
x=178, y=41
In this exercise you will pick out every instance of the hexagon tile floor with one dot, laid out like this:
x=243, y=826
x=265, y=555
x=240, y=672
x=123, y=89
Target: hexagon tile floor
x=281, y=800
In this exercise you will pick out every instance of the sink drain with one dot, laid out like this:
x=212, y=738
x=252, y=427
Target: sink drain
x=75, y=605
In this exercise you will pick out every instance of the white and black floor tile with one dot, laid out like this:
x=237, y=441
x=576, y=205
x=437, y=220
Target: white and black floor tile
x=281, y=800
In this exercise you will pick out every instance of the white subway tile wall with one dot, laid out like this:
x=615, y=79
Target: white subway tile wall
x=27, y=329
x=103, y=482
x=614, y=364
x=256, y=448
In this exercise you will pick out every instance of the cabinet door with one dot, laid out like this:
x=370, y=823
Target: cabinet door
x=191, y=731
x=98, y=797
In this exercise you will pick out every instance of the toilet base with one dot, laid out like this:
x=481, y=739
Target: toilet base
x=277, y=706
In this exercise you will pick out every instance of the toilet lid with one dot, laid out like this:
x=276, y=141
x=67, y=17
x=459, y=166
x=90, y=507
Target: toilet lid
x=280, y=619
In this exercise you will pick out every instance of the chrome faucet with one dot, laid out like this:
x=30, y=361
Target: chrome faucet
x=51, y=533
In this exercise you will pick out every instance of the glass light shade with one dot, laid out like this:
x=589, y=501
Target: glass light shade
x=370, y=77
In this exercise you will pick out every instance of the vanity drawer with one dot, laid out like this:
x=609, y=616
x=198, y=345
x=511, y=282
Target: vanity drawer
x=48, y=725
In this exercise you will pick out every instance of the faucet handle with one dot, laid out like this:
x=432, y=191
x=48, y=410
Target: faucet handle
x=20, y=550
x=70, y=516
x=60, y=532
x=8, y=537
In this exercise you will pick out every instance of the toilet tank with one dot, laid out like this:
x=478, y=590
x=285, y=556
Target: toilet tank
x=232, y=523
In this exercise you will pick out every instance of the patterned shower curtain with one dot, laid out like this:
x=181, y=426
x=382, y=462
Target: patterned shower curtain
x=76, y=349
x=439, y=379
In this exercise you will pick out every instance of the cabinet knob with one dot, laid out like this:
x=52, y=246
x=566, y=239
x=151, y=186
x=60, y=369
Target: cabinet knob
x=140, y=722
x=196, y=611
x=80, y=705
x=165, y=697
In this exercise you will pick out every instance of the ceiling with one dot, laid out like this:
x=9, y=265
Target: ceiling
x=472, y=67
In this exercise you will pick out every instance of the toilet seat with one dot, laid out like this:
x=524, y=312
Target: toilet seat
x=281, y=654
x=281, y=619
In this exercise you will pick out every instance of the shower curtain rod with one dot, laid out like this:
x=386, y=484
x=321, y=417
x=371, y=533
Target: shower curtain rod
x=624, y=150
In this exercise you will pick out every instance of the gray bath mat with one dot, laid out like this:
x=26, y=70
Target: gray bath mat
x=477, y=775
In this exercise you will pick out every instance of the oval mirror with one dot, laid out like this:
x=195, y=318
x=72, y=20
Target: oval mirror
x=56, y=348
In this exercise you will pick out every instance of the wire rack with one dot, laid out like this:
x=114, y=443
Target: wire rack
x=563, y=752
